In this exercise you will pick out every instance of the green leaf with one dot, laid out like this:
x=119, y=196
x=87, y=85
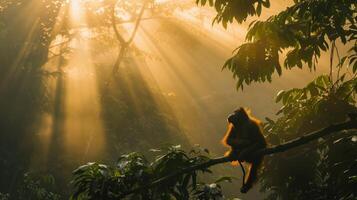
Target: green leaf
x=259, y=9
x=224, y=179
x=279, y=96
x=354, y=67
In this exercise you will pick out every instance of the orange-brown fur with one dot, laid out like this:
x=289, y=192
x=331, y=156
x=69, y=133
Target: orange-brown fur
x=244, y=135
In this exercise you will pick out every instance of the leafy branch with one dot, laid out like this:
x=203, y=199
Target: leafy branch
x=299, y=30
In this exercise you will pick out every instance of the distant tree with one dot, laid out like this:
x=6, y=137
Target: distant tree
x=25, y=39
x=27, y=29
x=113, y=14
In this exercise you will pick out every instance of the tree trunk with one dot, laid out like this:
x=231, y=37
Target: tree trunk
x=119, y=59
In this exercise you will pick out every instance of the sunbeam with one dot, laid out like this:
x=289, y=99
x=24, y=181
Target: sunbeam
x=83, y=130
x=74, y=126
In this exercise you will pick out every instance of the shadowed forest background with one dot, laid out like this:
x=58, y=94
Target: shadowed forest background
x=90, y=80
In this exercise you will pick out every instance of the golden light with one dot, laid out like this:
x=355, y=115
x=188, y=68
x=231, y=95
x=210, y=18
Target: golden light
x=75, y=127
x=76, y=12
x=190, y=52
x=83, y=128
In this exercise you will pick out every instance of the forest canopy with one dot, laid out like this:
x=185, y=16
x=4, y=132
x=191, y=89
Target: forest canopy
x=97, y=81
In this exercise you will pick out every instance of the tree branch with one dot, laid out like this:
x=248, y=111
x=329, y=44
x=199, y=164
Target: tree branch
x=138, y=22
x=350, y=124
x=125, y=44
x=114, y=26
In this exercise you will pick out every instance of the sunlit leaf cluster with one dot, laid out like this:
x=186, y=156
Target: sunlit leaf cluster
x=239, y=10
x=98, y=181
x=303, y=31
x=318, y=98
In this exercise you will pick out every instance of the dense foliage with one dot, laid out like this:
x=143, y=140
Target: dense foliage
x=302, y=31
x=323, y=169
x=98, y=181
x=35, y=186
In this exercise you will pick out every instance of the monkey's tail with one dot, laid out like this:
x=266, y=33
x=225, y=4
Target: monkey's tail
x=243, y=172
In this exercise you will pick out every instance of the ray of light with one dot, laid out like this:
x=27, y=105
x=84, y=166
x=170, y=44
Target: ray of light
x=76, y=12
x=83, y=127
x=30, y=25
x=188, y=72
x=48, y=125
x=24, y=78
x=74, y=128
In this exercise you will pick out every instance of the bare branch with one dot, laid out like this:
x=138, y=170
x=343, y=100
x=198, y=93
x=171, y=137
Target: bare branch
x=137, y=22
x=125, y=44
x=331, y=59
x=114, y=26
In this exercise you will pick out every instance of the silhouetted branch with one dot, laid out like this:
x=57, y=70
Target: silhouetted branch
x=350, y=124
x=125, y=44
x=114, y=26
x=139, y=19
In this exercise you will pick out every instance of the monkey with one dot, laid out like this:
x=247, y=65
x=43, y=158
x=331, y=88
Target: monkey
x=244, y=136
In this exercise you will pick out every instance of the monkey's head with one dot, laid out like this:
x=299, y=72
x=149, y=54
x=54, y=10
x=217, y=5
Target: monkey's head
x=238, y=117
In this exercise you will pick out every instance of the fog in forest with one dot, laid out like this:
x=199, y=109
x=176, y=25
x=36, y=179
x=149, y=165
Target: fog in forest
x=169, y=89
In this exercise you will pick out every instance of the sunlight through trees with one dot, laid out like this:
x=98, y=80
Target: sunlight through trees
x=90, y=80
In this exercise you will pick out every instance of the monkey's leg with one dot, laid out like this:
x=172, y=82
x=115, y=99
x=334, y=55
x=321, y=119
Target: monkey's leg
x=252, y=175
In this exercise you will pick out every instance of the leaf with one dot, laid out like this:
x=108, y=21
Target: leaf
x=194, y=180
x=270, y=121
x=259, y=9
x=312, y=89
x=186, y=180
x=279, y=96
x=206, y=150
x=354, y=68
x=353, y=179
x=266, y=3
x=224, y=179
x=176, y=147
x=155, y=150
